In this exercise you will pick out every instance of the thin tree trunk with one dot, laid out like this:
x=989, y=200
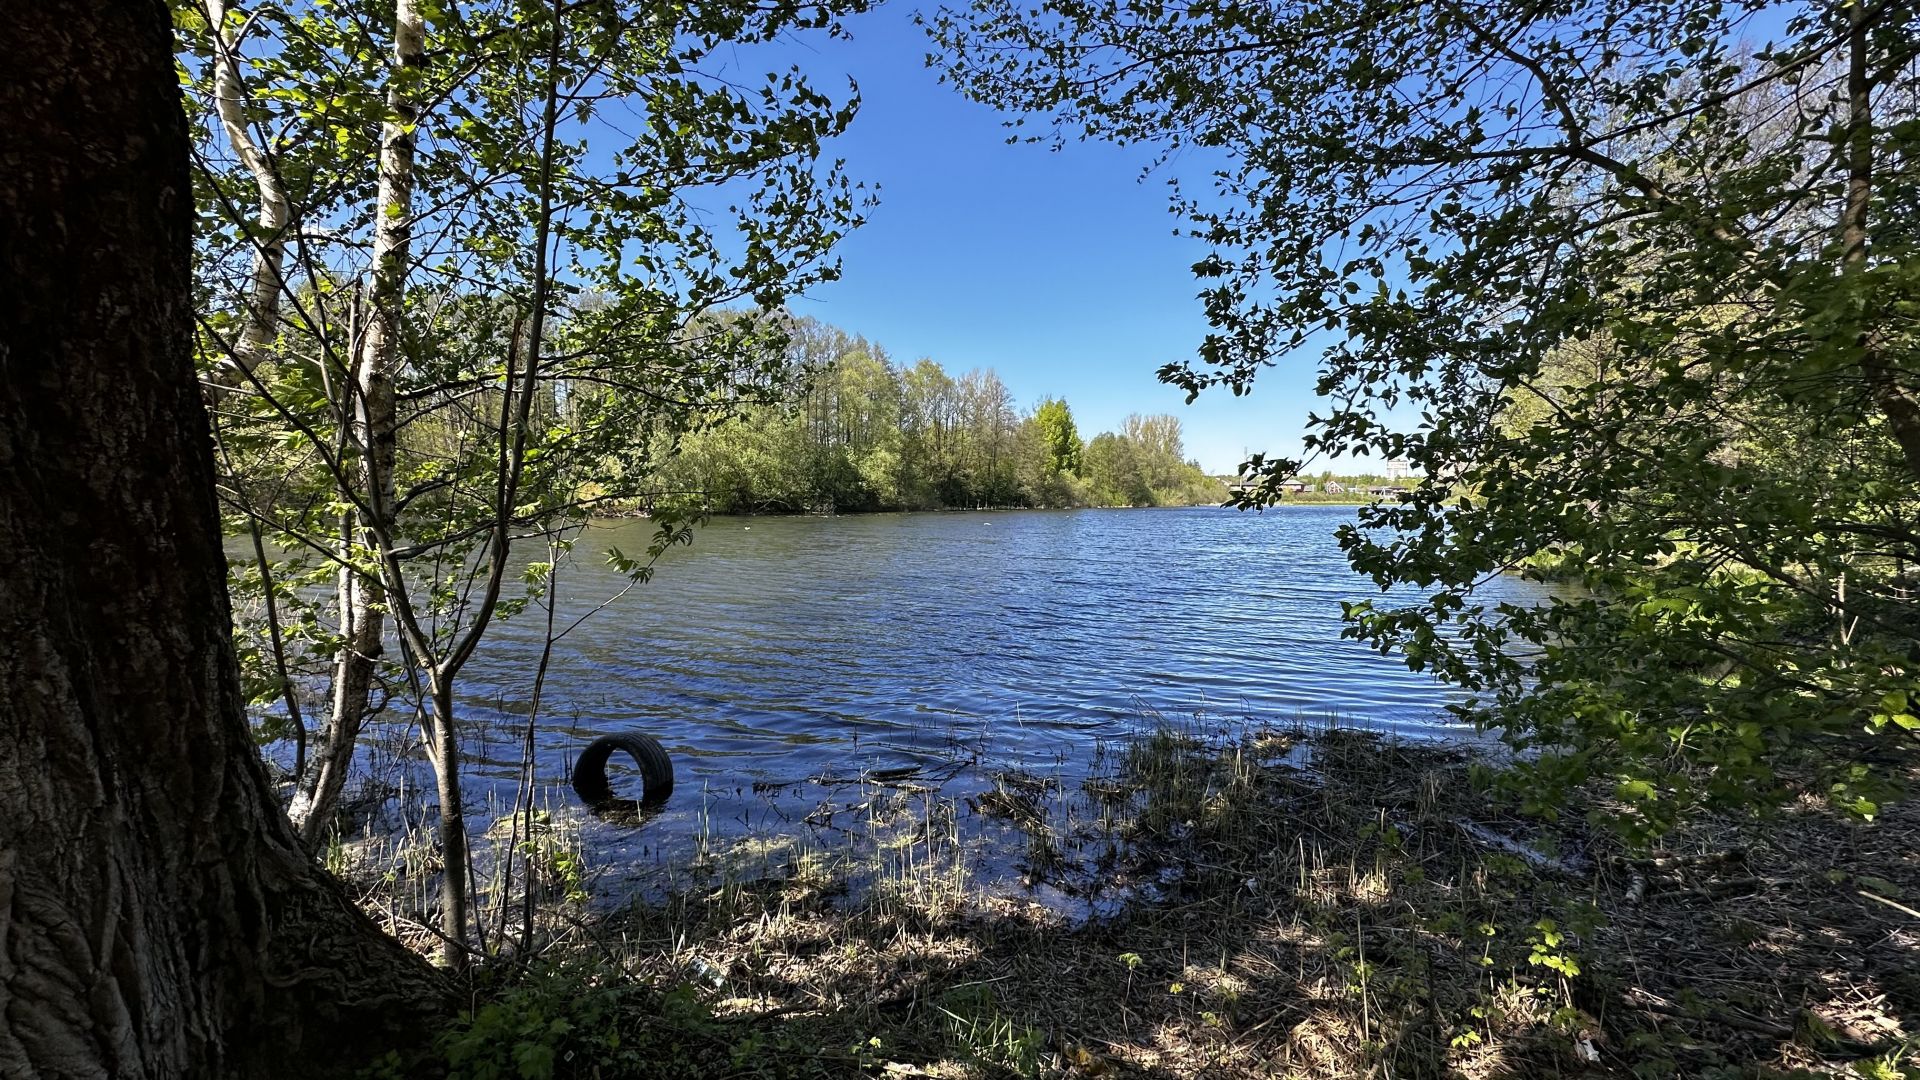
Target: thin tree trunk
x=516, y=405
x=270, y=244
x=158, y=917
x=1895, y=399
x=276, y=640
x=374, y=429
x=455, y=882
x=361, y=630
x=266, y=284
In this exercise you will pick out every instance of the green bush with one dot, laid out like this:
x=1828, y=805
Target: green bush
x=585, y=1021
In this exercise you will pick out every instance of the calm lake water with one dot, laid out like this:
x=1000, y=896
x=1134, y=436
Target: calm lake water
x=776, y=651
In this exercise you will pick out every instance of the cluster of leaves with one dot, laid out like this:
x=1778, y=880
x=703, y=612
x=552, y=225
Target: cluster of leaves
x=583, y=1020
x=658, y=315
x=1631, y=282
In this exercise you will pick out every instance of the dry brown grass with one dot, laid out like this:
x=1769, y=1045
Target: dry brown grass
x=1324, y=905
x=1311, y=904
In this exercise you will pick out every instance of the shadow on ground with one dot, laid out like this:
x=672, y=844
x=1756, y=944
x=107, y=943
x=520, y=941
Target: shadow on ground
x=1284, y=903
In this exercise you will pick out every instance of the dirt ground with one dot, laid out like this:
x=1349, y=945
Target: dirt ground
x=1311, y=904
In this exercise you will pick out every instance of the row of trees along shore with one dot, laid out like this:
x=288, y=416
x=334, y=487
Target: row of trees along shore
x=866, y=433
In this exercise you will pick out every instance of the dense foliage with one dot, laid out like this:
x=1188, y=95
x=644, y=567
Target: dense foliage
x=1632, y=282
x=461, y=281
x=515, y=230
x=869, y=434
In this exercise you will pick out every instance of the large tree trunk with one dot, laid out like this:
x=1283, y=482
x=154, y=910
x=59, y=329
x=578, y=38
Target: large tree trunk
x=1889, y=384
x=158, y=918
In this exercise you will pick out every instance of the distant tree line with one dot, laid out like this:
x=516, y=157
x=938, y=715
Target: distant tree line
x=869, y=434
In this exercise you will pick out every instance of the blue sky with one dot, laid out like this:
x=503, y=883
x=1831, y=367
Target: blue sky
x=1060, y=270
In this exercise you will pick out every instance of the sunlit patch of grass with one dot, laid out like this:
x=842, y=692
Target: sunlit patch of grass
x=1222, y=900
x=978, y=1031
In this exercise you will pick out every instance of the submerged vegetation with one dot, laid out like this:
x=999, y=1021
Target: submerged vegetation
x=1223, y=899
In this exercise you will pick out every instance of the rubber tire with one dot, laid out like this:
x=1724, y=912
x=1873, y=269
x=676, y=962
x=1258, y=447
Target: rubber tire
x=656, y=769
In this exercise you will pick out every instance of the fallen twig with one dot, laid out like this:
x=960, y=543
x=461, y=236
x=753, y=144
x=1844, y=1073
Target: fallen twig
x=1895, y=904
x=1532, y=856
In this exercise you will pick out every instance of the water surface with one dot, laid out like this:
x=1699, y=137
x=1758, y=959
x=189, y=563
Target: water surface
x=775, y=650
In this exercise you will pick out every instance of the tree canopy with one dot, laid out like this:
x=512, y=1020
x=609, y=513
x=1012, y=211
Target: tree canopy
x=866, y=433
x=461, y=280
x=1631, y=282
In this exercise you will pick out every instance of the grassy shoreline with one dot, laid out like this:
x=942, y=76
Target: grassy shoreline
x=1315, y=903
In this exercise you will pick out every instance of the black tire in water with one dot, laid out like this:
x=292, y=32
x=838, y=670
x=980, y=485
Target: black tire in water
x=656, y=769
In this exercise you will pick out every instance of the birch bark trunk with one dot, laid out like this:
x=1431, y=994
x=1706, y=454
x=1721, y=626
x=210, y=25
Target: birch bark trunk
x=270, y=242
x=373, y=431
x=1890, y=385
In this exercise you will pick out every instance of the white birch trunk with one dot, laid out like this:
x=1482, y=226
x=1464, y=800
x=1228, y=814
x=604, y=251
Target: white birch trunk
x=267, y=279
x=373, y=430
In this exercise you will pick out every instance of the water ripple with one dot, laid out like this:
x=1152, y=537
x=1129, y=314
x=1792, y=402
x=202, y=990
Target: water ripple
x=801, y=646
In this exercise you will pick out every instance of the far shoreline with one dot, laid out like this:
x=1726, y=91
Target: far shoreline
x=625, y=514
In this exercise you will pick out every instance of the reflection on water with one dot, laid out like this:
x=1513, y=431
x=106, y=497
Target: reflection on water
x=780, y=649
